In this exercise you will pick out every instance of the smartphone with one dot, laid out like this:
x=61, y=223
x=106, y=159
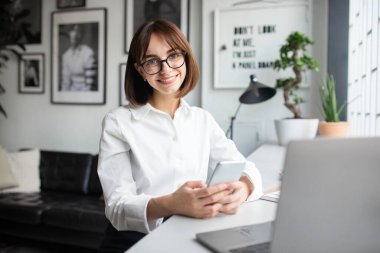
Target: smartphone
x=226, y=171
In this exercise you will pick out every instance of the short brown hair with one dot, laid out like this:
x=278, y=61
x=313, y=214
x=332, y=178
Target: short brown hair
x=137, y=90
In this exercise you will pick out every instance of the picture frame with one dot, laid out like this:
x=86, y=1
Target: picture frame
x=31, y=73
x=139, y=11
x=78, y=56
x=64, y=4
x=122, y=98
x=247, y=41
x=30, y=12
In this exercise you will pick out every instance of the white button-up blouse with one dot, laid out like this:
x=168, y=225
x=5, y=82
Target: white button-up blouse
x=144, y=153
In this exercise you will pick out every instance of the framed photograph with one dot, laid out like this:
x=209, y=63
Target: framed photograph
x=29, y=13
x=122, y=99
x=62, y=4
x=31, y=73
x=139, y=11
x=78, y=54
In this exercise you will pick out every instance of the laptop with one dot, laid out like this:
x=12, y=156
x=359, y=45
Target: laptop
x=330, y=202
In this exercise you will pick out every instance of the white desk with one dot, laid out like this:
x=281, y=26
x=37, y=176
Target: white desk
x=269, y=159
x=178, y=233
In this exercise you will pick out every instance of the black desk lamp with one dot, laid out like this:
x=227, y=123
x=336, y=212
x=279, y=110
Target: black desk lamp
x=254, y=94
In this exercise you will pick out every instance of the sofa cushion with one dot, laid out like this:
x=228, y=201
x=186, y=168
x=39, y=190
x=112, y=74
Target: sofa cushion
x=25, y=167
x=7, y=178
x=65, y=172
x=86, y=214
x=94, y=186
x=22, y=207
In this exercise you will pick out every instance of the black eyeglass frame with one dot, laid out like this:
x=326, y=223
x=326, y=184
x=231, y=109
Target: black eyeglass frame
x=166, y=60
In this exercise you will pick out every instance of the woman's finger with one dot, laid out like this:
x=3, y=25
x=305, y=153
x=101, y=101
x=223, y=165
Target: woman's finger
x=205, y=192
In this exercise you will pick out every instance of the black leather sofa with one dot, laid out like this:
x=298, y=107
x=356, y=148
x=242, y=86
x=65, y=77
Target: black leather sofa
x=69, y=209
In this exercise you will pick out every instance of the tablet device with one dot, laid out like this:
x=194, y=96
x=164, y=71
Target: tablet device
x=226, y=171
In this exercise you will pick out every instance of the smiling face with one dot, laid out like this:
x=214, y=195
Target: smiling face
x=168, y=81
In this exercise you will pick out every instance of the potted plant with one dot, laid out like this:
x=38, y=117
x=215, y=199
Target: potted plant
x=293, y=55
x=12, y=32
x=332, y=125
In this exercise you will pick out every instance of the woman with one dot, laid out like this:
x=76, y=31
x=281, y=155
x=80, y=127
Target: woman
x=156, y=152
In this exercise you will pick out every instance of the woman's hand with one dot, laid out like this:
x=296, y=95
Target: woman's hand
x=238, y=193
x=192, y=199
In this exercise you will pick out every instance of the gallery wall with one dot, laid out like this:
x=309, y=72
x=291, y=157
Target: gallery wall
x=33, y=121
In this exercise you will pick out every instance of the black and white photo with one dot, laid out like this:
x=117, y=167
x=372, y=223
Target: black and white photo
x=70, y=3
x=78, y=66
x=139, y=11
x=78, y=57
x=31, y=73
x=27, y=17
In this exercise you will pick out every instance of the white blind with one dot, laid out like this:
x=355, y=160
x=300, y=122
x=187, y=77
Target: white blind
x=363, y=75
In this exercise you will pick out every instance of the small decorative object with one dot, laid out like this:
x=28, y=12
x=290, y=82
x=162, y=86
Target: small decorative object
x=293, y=55
x=31, y=73
x=61, y=4
x=332, y=126
x=255, y=93
x=78, y=56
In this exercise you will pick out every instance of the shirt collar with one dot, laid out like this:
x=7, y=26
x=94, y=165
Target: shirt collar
x=183, y=105
x=139, y=112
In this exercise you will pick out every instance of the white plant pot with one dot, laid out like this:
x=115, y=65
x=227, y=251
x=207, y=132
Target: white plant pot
x=295, y=129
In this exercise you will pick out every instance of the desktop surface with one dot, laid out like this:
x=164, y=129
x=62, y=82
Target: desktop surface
x=177, y=234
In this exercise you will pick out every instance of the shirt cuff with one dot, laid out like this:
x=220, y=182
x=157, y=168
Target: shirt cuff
x=152, y=224
x=256, y=181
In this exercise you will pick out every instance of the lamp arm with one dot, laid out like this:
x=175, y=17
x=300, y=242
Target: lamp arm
x=230, y=130
x=237, y=111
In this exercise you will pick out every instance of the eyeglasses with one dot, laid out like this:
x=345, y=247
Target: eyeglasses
x=174, y=61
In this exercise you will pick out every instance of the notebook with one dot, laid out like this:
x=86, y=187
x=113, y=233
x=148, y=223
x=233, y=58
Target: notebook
x=330, y=202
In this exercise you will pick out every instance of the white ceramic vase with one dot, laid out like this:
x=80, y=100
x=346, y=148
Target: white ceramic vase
x=295, y=129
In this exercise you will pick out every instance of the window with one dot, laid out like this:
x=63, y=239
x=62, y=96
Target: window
x=363, y=75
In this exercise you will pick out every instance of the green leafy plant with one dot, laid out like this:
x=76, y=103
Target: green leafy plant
x=330, y=108
x=12, y=32
x=293, y=55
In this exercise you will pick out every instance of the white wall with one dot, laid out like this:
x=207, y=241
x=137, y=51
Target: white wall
x=34, y=122
x=254, y=123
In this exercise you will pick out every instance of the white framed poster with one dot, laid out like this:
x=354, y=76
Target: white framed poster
x=247, y=40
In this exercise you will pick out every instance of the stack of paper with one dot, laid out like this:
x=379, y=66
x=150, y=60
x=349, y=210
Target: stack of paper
x=272, y=196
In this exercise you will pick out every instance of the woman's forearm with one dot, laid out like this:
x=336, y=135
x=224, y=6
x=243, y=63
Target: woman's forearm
x=159, y=207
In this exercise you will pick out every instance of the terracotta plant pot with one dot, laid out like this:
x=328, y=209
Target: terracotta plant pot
x=333, y=129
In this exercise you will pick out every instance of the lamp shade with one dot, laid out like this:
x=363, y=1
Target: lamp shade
x=256, y=92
